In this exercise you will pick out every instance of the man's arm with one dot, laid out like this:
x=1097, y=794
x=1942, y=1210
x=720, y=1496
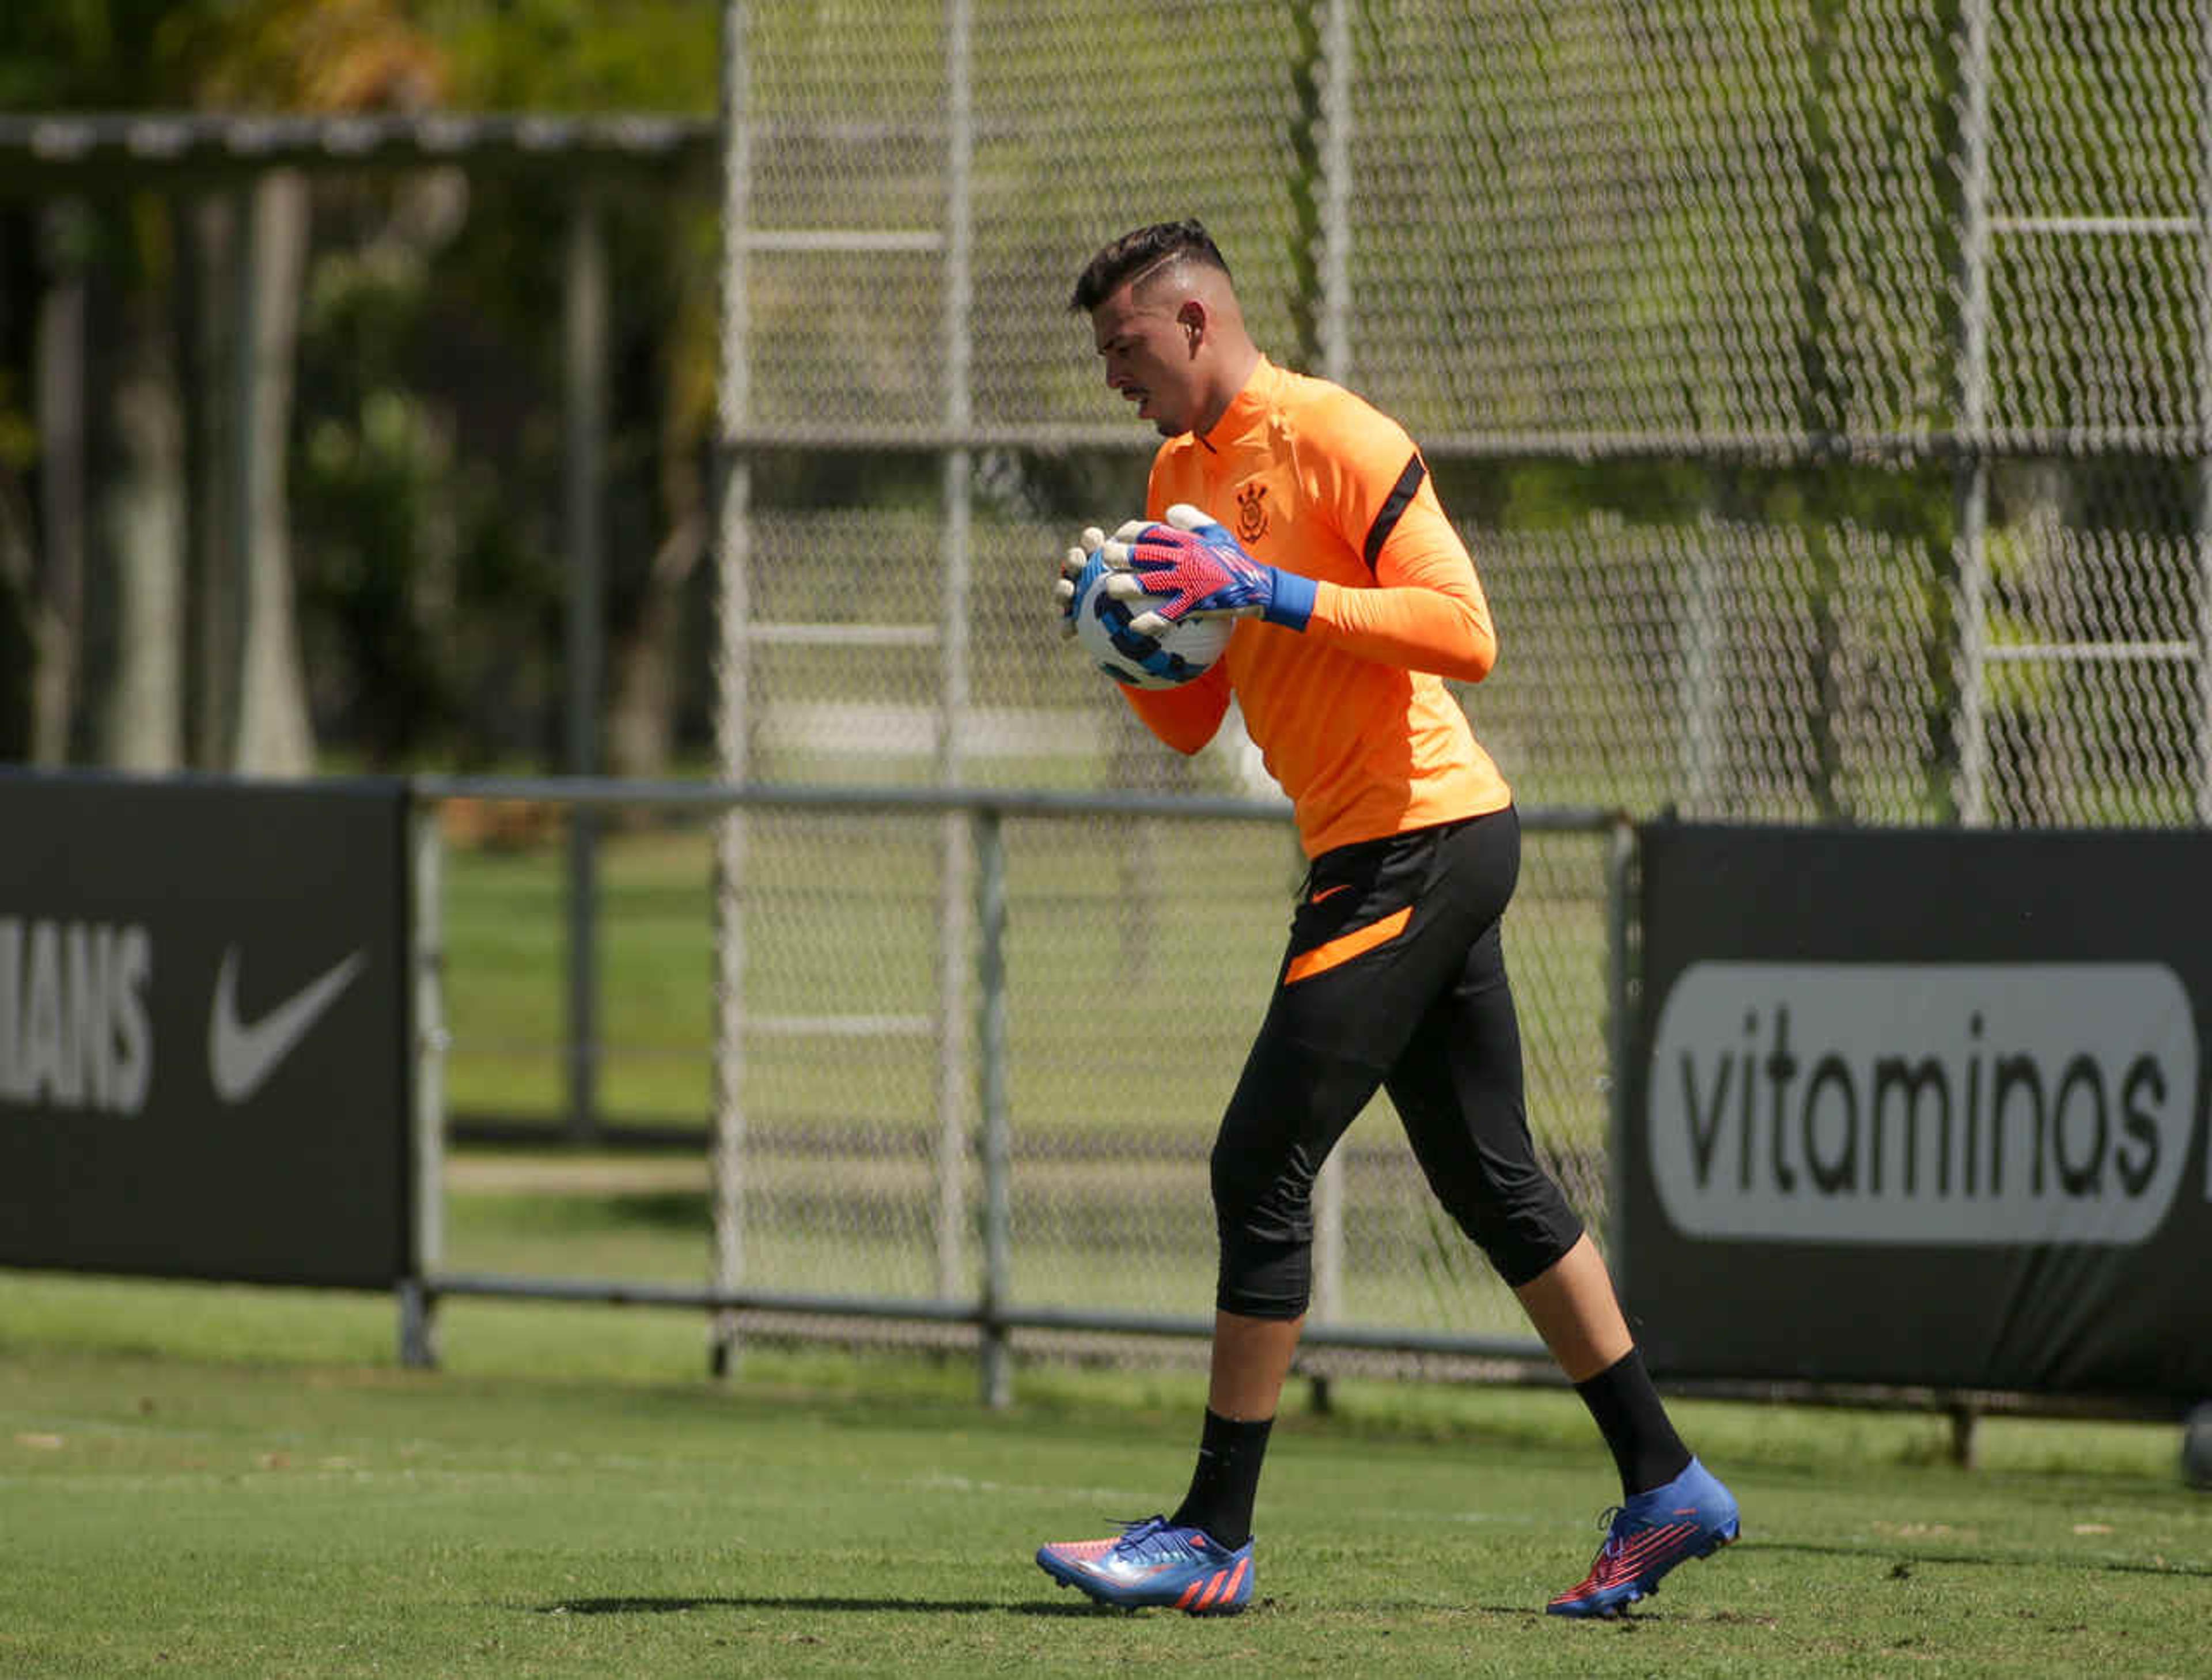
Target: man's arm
x=1427, y=611
x=1186, y=718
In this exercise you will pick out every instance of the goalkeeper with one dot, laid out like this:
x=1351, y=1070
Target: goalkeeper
x=1295, y=506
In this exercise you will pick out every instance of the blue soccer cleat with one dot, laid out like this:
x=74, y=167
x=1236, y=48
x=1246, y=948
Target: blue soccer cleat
x=1692, y=1516
x=1155, y=1563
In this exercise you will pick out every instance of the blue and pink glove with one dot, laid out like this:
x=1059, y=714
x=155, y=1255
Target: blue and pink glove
x=1191, y=568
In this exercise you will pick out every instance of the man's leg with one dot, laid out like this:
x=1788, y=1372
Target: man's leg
x=1293, y=1102
x=1251, y=1358
x=1458, y=1088
x=1574, y=1309
x=1289, y=1108
x=1459, y=1092
x=1366, y=955
x=1251, y=1361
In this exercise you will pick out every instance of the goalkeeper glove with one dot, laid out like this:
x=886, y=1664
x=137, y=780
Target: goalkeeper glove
x=1078, y=567
x=1196, y=569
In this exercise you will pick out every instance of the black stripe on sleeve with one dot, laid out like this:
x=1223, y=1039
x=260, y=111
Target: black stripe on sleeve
x=1393, y=507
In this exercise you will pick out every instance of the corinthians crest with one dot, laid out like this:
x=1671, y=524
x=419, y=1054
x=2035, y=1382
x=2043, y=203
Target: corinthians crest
x=1252, y=511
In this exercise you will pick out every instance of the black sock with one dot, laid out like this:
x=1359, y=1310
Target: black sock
x=1633, y=1421
x=1226, y=1481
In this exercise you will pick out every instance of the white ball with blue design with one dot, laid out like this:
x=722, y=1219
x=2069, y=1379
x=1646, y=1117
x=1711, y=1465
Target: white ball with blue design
x=1102, y=627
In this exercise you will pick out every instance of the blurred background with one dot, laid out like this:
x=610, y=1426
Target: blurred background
x=1820, y=383
x=284, y=438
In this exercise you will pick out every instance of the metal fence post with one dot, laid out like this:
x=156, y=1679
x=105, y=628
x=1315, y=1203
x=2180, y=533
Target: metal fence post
x=1971, y=543
x=585, y=351
x=1621, y=998
x=996, y=1350
x=734, y=627
x=956, y=564
x=2202, y=529
x=418, y=1326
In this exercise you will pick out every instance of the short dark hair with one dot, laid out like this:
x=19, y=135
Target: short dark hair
x=1136, y=252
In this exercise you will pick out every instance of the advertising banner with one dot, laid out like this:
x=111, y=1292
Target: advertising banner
x=204, y=1069
x=1923, y=1107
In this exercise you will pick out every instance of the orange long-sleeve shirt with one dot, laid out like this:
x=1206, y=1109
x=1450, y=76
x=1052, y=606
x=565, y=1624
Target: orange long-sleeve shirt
x=1350, y=714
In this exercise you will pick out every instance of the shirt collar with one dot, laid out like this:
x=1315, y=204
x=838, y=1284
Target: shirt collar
x=1248, y=408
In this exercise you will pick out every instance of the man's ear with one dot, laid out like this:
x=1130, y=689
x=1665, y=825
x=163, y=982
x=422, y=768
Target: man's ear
x=1190, y=316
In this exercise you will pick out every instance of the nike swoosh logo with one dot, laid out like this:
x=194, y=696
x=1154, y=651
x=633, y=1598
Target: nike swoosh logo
x=1330, y=892
x=241, y=1055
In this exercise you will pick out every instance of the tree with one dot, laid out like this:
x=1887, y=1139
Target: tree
x=568, y=55
x=311, y=55
x=324, y=58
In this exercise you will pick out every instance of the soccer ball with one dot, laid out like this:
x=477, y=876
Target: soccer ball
x=1102, y=625
x=2196, y=1446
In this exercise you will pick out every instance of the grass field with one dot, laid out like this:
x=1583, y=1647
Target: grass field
x=197, y=1479
x=208, y=1481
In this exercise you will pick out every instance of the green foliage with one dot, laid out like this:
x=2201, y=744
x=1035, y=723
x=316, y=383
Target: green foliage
x=103, y=55
x=430, y=567
x=427, y=475
x=574, y=56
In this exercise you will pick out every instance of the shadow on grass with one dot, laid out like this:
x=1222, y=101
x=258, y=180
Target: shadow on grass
x=1904, y=1559
x=677, y=1606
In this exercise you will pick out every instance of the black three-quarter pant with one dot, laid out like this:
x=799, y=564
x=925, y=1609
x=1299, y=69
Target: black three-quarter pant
x=1394, y=977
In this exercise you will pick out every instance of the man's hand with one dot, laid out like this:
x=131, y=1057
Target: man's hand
x=1080, y=566
x=1190, y=567
x=1077, y=568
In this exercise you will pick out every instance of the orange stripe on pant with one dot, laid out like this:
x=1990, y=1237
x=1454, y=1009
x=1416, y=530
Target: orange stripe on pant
x=1344, y=946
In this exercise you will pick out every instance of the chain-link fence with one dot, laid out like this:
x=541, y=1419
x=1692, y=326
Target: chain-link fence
x=1822, y=386
x=1007, y=1131
x=1819, y=387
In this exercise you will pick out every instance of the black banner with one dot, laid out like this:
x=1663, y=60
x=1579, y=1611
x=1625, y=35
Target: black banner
x=1923, y=1107
x=204, y=1021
